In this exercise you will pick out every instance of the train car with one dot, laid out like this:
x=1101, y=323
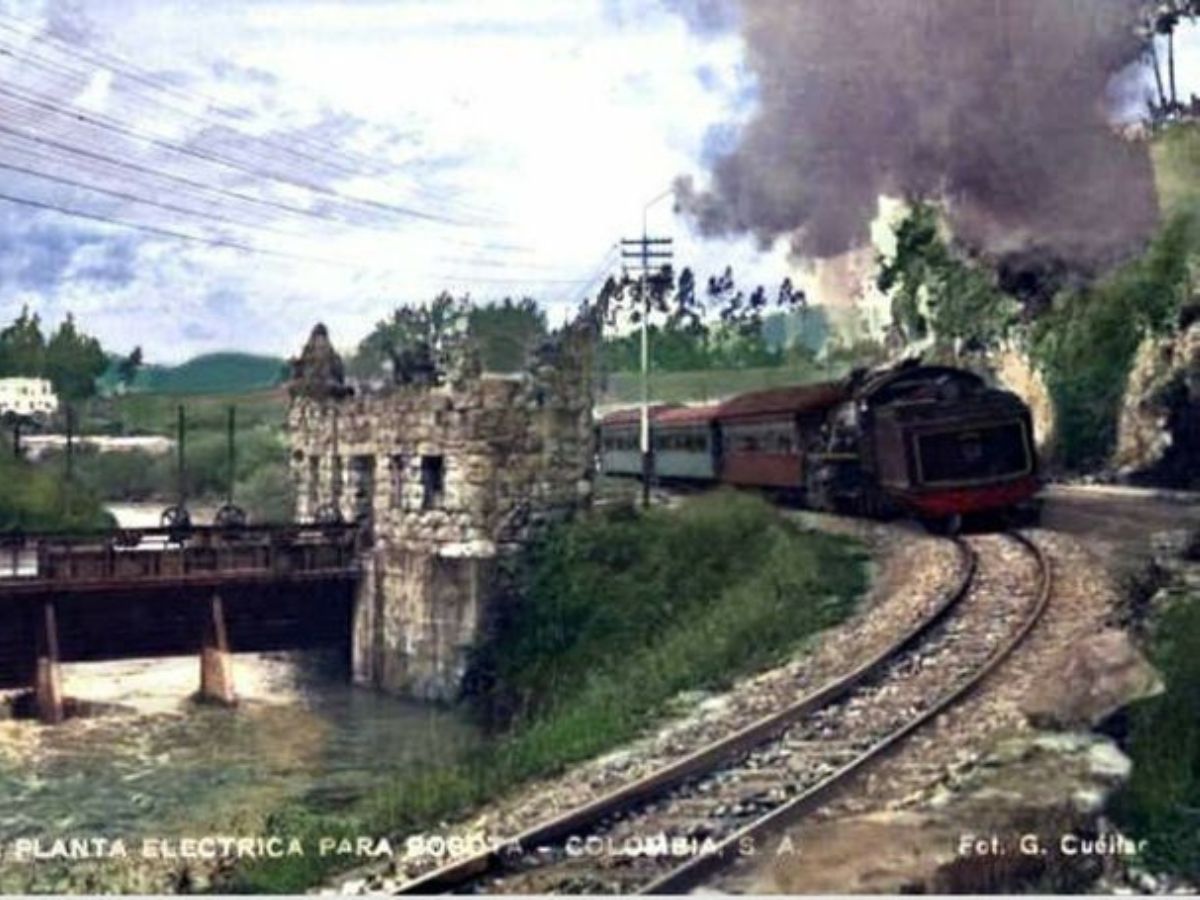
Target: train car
x=929, y=441
x=685, y=443
x=764, y=434
x=619, y=440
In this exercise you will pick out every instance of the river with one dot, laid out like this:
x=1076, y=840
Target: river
x=149, y=762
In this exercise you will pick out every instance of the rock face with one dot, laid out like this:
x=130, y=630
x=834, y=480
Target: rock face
x=449, y=478
x=1158, y=438
x=1015, y=371
x=1102, y=674
x=1011, y=820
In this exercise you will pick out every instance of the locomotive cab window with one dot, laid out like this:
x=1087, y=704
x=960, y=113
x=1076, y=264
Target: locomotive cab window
x=965, y=455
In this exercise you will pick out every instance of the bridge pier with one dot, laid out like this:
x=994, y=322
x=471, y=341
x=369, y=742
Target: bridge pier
x=216, y=663
x=47, y=687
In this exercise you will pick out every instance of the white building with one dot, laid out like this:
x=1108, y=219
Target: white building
x=27, y=396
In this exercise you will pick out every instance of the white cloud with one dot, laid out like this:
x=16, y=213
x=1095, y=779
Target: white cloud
x=545, y=114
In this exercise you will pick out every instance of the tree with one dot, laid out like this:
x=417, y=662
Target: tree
x=415, y=342
x=693, y=332
x=23, y=348
x=937, y=292
x=505, y=332
x=128, y=367
x=1161, y=20
x=73, y=362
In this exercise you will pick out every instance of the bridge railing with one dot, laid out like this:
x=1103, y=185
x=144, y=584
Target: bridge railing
x=155, y=554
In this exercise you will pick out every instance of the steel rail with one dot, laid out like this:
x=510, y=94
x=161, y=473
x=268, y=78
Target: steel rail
x=689, y=874
x=461, y=872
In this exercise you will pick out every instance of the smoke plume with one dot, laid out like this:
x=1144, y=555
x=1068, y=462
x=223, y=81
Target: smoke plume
x=998, y=108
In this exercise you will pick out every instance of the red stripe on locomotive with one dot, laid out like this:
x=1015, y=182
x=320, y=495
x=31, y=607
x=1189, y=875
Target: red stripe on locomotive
x=953, y=501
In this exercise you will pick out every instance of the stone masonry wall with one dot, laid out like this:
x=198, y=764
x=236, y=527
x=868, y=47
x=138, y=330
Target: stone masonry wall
x=450, y=479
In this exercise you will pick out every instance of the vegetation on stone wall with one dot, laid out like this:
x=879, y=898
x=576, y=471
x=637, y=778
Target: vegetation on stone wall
x=1082, y=338
x=618, y=615
x=1086, y=341
x=503, y=333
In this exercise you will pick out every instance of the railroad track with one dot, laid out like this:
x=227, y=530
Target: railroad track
x=667, y=832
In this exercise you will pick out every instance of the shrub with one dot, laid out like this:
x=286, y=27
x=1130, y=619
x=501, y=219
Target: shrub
x=268, y=494
x=1162, y=799
x=37, y=499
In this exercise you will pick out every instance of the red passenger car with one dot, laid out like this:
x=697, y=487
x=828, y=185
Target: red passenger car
x=764, y=434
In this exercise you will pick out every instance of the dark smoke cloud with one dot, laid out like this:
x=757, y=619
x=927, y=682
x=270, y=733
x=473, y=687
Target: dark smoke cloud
x=997, y=107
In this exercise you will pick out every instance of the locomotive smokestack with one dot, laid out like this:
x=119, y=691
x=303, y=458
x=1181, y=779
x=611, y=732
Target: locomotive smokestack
x=998, y=108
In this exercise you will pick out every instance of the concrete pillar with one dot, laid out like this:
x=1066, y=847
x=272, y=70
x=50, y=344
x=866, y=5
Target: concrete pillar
x=48, y=678
x=216, y=663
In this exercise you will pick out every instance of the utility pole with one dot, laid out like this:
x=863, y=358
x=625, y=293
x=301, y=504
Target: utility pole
x=642, y=251
x=70, y=442
x=231, y=451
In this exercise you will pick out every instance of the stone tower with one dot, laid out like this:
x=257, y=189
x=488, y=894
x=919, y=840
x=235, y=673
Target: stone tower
x=448, y=478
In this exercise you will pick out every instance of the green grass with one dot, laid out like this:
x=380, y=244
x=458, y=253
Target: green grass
x=712, y=384
x=1162, y=799
x=620, y=612
x=156, y=413
x=1175, y=153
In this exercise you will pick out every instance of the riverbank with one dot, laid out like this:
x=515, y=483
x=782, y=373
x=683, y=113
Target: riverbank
x=621, y=614
x=149, y=764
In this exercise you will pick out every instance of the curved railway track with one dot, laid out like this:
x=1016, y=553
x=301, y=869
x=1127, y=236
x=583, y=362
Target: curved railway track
x=668, y=831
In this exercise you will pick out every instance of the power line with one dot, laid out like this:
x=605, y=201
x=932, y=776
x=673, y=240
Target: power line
x=132, y=198
x=199, y=185
x=135, y=198
x=115, y=125
x=151, y=229
x=119, y=65
x=216, y=159
x=248, y=248
x=602, y=266
x=130, y=71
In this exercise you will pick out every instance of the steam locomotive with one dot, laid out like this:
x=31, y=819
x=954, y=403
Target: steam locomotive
x=929, y=441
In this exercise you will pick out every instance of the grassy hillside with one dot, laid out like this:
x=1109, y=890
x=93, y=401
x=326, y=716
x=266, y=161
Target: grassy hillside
x=1161, y=800
x=212, y=373
x=1176, y=156
x=709, y=384
x=156, y=413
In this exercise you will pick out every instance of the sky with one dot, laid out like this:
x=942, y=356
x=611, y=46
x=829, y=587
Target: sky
x=502, y=148
x=511, y=144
